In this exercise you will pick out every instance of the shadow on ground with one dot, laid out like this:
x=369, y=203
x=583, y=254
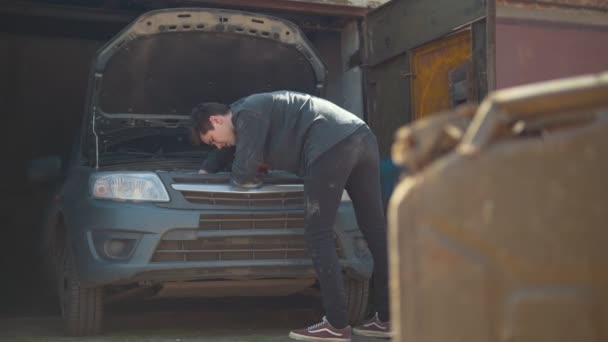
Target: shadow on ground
x=184, y=320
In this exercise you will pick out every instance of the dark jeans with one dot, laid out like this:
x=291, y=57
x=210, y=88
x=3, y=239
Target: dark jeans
x=353, y=164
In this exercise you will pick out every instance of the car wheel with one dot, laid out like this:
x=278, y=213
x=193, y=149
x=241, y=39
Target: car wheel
x=357, y=294
x=81, y=308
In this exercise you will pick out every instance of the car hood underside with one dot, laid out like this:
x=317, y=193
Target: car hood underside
x=170, y=60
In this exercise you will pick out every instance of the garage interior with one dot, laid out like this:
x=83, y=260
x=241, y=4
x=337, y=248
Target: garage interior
x=47, y=48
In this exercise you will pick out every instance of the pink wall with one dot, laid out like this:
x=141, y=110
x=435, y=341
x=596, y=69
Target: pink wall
x=530, y=51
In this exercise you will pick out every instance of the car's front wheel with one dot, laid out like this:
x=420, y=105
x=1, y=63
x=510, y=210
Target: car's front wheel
x=357, y=293
x=81, y=307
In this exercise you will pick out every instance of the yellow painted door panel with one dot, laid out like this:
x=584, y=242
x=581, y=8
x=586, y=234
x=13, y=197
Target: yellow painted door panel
x=438, y=68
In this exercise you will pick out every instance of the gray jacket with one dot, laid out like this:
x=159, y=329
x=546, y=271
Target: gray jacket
x=281, y=130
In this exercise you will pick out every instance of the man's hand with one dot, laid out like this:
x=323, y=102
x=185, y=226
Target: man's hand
x=202, y=172
x=263, y=168
x=254, y=184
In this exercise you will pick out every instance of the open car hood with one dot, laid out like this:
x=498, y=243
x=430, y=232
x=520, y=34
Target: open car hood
x=167, y=61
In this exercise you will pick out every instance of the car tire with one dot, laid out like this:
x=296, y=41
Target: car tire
x=81, y=307
x=357, y=299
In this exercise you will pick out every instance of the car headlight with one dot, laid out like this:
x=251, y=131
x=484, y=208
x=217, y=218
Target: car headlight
x=129, y=186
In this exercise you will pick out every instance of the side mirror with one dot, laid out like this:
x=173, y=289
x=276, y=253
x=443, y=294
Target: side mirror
x=45, y=169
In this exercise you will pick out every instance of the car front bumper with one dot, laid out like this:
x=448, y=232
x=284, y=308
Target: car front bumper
x=168, y=244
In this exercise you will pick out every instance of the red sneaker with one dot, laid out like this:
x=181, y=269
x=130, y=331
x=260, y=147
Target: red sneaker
x=374, y=327
x=323, y=331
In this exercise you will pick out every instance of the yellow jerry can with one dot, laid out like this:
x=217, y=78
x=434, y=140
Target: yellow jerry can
x=504, y=236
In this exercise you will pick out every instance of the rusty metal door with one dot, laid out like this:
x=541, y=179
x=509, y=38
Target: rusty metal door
x=441, y=73
x=396, y=30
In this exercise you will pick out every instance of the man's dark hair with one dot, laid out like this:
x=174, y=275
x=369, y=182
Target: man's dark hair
x=199, y=118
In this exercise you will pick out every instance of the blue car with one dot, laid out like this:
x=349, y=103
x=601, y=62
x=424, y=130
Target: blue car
x=132, y=213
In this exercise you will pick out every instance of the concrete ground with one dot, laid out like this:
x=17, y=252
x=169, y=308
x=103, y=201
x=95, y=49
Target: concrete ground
x=184, y=320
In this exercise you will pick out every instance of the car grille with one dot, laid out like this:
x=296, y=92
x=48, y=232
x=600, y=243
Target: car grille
x=282, y=220
x=249, y=200
x=248, y=236
x=224, y=195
